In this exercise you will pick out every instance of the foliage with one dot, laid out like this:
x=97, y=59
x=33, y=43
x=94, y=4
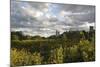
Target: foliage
x=88, y=50
x=22, y=58
x=56, y=55
x=76, y=46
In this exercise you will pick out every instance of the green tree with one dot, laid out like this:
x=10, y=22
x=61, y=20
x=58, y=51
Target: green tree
x=87, y=50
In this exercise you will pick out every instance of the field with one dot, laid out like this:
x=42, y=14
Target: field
x=51, y=51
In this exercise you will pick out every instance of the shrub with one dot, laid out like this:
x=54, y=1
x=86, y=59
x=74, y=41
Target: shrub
x=22, y=58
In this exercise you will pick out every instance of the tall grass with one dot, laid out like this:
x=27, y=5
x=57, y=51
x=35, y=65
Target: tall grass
x=50, y=52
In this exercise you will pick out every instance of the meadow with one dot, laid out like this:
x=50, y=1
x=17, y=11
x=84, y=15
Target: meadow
x=52, y=50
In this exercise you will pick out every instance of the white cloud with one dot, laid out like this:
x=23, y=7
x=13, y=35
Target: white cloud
x=46, y=23
x=33, y=12
x=45, y=10
x=48, y=15
x=47, y=5
x=64, y=13
x=44, y=18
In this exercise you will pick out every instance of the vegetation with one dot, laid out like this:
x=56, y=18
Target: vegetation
x=72, y=46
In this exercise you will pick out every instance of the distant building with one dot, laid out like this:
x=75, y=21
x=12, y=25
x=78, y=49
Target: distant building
x=57, y=33
x=91, y=28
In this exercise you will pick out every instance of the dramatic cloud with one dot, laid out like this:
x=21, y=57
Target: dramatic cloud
x=44, y=19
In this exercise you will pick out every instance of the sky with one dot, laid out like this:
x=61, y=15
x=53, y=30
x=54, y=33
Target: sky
x=43, y=19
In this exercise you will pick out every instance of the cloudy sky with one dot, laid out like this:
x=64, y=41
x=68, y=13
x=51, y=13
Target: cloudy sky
x=37, y=18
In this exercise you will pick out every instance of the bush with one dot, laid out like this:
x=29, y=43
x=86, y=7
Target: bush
x=87, y=50
x=29, y=52
x=56, y=55
x=22, y=58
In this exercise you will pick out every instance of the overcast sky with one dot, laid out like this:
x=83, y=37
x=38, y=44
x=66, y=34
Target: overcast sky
x=36, y=18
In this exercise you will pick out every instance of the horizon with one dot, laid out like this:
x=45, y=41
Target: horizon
x=53, y=34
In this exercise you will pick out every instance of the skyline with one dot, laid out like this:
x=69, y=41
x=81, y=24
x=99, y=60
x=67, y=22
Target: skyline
x=38, y=18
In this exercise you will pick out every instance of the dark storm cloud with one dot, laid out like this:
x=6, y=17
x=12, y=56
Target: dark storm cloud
x=44, y=18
